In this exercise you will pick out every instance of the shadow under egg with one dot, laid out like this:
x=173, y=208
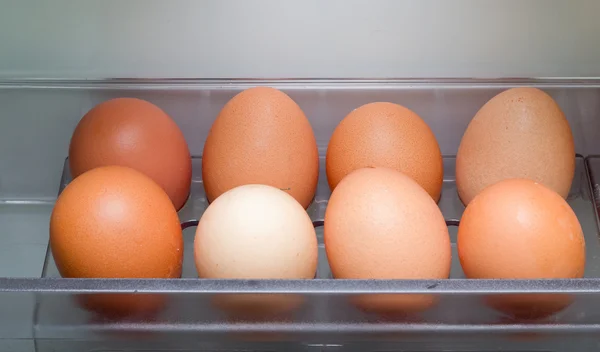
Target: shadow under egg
x=395, y=305
x=122, y=305
x=529, y=306
x=257, y=306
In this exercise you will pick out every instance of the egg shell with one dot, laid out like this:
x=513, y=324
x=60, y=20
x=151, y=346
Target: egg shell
x=520, y=229
x=261, y=136
x=115, y=222
x=388, y=135
x=380, y=224
x=255, y=232
x=134, y=133
x=519, y=133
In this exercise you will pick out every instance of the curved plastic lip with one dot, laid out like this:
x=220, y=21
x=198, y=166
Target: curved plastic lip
x=295, y=83
x=310, y=286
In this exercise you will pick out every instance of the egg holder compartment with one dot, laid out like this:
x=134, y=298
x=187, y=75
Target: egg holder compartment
x=326, y=312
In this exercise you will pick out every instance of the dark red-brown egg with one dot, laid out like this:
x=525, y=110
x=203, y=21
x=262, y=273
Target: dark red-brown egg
x=134, y=133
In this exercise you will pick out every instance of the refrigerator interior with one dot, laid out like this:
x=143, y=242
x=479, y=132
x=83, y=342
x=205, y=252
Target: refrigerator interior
x=38, y=307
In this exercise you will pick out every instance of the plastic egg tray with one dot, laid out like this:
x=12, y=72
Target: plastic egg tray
x=450, y=204
x=326, y=300
x=47, y=309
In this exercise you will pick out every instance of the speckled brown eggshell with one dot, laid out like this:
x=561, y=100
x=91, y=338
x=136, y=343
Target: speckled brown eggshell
x=520, y=229
x=519, y=133
x=380, y=224
x=134, y=133
x=115, y=222
x=386, y=135
x=261, y=136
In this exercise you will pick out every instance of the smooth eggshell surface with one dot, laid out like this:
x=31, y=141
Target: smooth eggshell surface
x=115, y=222
x=520, y=229
x=255, y=232
x=386, y=135
x=519, y=133
x=134, y=133
x=261, y=136
x=380, y=224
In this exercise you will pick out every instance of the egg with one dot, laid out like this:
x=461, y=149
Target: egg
x=388, y=135
x=256, y=232
x=261, y=136
x=381, y=224
x=520, y=229
x=519, y=133
x=115, y=222
x=134, y=133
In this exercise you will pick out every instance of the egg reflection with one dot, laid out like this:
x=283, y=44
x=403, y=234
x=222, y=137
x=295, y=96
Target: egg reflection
x=257, y=306
x=121, y=305
x=529, y=306
x=395, y=304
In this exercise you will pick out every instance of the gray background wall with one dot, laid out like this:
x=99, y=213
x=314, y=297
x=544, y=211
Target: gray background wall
x=299, y=38
x=226, y=38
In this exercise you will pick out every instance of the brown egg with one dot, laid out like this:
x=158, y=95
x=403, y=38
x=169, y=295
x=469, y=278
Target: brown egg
x=386, y=135
x=115, y=222
x=380, y=224
x=137, y=134
x=261, y=137
x=520, y=133
x=520, y=229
